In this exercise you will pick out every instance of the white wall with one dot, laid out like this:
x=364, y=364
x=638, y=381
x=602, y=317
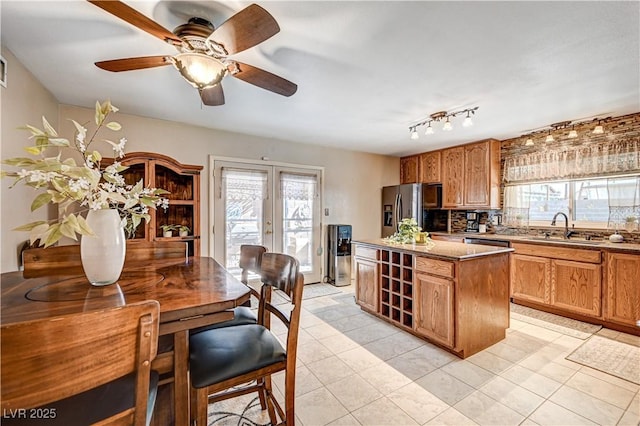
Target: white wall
x=353, y=180
x=23, y=101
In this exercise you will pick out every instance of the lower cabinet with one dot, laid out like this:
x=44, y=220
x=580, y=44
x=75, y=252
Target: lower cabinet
x=531, y=278
x=433, y=301
x=566, y=279
x=367, y=273
x=576, y=287
x=622, y=288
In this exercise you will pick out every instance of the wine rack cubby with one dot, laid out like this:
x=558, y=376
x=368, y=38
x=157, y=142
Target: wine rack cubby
x=396, y=287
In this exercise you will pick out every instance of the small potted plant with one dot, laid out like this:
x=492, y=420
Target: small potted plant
x=183, y=230
x=167, y=230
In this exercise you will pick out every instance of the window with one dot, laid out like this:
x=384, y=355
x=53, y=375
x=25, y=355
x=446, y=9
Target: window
x=589, y=203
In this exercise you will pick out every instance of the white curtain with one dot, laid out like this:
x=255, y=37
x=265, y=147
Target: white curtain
x=243, y=185
x=624, y=200
x=516, y=205
x=294, y=186
x=593, y=160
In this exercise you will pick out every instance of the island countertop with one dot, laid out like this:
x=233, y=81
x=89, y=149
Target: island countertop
x=441, y=249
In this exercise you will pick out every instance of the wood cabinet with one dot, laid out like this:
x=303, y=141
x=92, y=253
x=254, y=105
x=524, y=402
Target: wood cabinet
x=410, y=169
x=471, y=175
x=576, y=286
x=434, y=308
x=366, y=269
x=396, y=287
x=452, y=177
x=430, y=163
x=559, y=277
x=622, y=288
x=531, y=278
x=461, y=304
x=183, y=183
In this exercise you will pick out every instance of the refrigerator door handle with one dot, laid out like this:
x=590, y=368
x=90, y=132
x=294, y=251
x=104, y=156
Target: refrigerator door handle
x=398, y=211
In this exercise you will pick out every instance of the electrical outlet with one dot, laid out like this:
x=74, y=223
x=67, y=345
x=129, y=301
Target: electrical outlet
x=326, y=211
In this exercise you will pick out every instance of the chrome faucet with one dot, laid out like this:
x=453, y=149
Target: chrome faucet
x=567, y=232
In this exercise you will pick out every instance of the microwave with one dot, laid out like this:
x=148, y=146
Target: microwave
x=432, y=196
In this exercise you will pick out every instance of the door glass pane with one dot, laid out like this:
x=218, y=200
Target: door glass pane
x=299, y=193
x=243, y=192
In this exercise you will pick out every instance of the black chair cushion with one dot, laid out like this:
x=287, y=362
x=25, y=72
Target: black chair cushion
x=219, y=354
x=242, y=315
x=87, y=407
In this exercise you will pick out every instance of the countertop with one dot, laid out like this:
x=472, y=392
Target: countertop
x=529, y=239
x=441, y=249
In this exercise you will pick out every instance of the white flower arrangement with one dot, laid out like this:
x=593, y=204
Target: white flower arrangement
x=407, y=230
x=87, y=185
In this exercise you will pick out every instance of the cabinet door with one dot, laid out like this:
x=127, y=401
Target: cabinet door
x=409, y=169
x=430, y=167
x=531, y=278
x=575, y=286
x=452, y=177
x=367, y=283
x=623, y=292
x=476, y=175
x=433, y=308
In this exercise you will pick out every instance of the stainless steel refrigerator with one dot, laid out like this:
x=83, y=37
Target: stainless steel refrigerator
x=400, y=202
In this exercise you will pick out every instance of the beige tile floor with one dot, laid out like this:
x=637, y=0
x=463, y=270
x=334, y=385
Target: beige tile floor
x=354, y=369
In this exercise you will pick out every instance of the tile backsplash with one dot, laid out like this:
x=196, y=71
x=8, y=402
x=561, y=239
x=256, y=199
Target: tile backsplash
x=459, y=224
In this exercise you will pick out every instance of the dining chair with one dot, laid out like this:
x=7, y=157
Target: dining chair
x=65, y=260
x=82, y=368
x=250, y=261
x=221, y=359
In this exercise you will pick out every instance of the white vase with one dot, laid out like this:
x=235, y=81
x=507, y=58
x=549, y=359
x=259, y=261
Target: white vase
x=103, y=254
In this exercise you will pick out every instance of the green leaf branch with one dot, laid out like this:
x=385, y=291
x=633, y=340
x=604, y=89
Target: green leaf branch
x=77, y=188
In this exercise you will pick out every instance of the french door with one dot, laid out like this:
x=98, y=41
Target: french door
x=277, y=206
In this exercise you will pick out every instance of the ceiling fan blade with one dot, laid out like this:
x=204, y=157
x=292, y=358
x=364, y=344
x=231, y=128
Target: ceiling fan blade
x=129, y=64
x=212, y=96
x=263, y=79
x=137, y=19
x=245, y=29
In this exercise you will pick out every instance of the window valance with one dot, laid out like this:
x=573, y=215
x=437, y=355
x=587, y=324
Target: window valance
x=593, y=160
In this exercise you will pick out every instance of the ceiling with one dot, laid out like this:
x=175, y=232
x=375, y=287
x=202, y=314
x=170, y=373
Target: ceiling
x=365, y=70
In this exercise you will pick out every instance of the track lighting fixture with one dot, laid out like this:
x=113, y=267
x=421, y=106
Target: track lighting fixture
x=447, y=125
x=549, y=137
x=440, y=116
x=599, y=129
x=555, y=127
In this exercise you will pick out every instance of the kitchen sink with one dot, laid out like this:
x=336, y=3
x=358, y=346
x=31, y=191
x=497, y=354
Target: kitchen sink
x=563, y=241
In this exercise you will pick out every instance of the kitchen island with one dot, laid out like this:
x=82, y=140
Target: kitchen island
x=451, y=294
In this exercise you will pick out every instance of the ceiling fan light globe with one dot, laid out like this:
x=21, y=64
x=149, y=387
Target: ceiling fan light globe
x=200, y=70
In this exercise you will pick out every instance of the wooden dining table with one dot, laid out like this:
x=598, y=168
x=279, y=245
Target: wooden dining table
x=192, y=292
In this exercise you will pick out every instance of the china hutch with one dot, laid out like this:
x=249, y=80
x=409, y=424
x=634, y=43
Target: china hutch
x=183, y=183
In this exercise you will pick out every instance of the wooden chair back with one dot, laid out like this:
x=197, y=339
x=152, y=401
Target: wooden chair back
x=48, y=360
x=250, y=260
x=65, y=260
x=279, y=271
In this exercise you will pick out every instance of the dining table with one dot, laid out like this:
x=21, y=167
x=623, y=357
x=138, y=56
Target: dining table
x=193, y=292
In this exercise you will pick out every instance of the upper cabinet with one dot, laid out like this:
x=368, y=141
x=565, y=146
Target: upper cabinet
x=471, y=175
x=410, y=169
x=430, y=167
x=183, y=183
x=452, y=177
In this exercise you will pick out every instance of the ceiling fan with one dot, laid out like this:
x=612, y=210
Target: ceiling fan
x=203, y=50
